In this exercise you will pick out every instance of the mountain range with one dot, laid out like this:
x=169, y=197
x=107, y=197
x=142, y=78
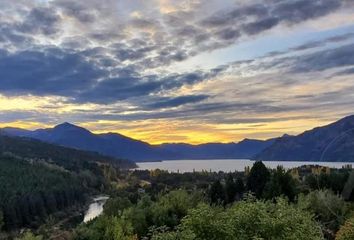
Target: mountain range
x=334, y=142
x=120, y=146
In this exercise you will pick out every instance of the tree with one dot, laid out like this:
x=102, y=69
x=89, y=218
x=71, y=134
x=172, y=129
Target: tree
x=29, y=236
x=217, y=193
x=247, y=219
x=257, y=178
x=239, y=187
x=1, y=220
x=346, y=232
x=115, y=206
x=330, y=210
x=280, y=183
x=230, y=188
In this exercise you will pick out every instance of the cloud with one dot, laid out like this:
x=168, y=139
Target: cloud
x=175, y=101
x=326, y=59
x=48, y=72
x=261, y=16
x=122, y=57
x=40, y=21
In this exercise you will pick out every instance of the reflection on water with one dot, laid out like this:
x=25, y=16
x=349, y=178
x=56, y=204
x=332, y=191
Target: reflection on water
x=95, y=208
x=228, y=165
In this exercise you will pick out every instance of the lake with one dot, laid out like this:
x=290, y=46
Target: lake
x=225, y=165
x=95, y=209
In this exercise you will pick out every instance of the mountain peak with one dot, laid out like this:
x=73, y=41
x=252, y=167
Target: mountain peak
x=69, y=126
x=66, y=125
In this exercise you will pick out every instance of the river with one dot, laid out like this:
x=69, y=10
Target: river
x=96, y=208
x=226, y=165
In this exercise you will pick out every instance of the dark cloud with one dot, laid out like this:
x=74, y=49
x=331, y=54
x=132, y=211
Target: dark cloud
x=76, y=9
x=131, y=84
x=302, y=10
x=49, y=72
x=40, y=21
x=258, y=17
x=102, y=62
x=349, y=71
x=175, y=101
x=326, y=59
x=260, y=26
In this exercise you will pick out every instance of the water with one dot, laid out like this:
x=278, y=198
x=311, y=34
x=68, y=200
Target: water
x=95, y=209
x=225, y=165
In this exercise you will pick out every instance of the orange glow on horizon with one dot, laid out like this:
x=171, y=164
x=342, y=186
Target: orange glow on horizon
x=168, y=131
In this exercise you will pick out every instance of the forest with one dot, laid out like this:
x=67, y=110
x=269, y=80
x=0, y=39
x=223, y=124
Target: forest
x=39, y=181
x=42, y=184
x=309, y=202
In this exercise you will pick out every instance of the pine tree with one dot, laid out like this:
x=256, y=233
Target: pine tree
x=257, y=178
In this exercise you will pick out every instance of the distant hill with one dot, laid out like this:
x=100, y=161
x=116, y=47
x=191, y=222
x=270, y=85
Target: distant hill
x=117, y=145
x=38, y=178
x=244, y=149
x=334, y=142
x=68, y=158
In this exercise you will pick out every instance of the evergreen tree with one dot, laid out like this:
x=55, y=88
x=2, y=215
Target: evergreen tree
x=257, y=178
x=217, y=193
x=280, y=183
x=1, y=220
x=230, y=188
x=239, y=187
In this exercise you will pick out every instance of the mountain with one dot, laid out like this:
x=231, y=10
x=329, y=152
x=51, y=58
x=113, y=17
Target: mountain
x=68, y=158
x=110, y=144
x=244, y=149
x=117, y=145
x=334, y=142
x=38, y=179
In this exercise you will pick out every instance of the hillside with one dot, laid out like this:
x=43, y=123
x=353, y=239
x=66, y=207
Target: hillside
x=38, y=179
x=334, y=142
x=120, y=146
x=66, y=157
x=244, y=149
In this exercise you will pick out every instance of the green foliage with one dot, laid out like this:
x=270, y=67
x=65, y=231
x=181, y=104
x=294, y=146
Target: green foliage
x=280, y=183
x=217, y=193
x=115, y=206
x=138, y=220
x=346, y=232
x=105, y=228
x=334, y=181
x=172, y=207
x=1, y=220
x=257, y=178
x=329, y=209
x=37, y=179
x=240, y=186
x=29, y=236
x=247, y=220
x=230, y=189
x=35, y=192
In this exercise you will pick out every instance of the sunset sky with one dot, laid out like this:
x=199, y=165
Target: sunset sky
x=177, y=70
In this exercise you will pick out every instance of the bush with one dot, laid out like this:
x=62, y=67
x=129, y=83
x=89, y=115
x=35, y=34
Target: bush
x=346, y=232
x=248, y=219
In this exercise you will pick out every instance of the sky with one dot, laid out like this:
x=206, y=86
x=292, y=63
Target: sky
x=177, y=70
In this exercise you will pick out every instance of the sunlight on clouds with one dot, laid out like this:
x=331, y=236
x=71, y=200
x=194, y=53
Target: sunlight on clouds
x=22, y=103
x=42, y=104
x=162, y=131
x=24, y=125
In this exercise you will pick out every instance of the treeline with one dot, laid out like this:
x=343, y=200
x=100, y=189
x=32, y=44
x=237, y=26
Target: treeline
x=260, y=203
x=38, y=179
x=68, y=158
x=262, y=182
x=29, y=192
x=182, y=215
